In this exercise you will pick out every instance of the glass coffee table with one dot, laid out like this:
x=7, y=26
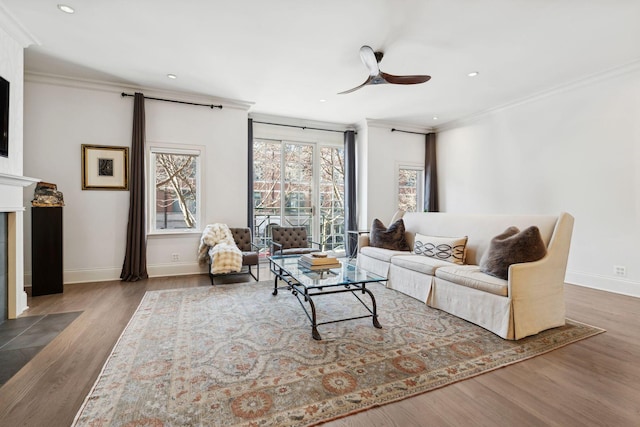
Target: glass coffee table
x=306, y=284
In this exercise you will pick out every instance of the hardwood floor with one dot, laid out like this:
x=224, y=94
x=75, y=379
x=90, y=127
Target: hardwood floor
x=594, y=382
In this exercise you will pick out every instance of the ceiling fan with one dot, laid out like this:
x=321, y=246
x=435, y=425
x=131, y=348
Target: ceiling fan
x=371, y=60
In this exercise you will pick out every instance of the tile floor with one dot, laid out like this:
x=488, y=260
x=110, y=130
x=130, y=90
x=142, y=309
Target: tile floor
x=23, y=338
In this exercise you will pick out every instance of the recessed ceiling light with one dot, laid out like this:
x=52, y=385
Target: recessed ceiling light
x=435, y=117
x=473, y=74
x=323, y=100
x=66, y=9
x=172, y=76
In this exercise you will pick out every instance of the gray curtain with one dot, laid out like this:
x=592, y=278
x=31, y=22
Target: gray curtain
x=250, y=178
x=134, y=267
x=430, y=175
x=350, y=201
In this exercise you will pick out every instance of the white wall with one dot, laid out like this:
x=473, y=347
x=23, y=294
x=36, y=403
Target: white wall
x=60, y=115
x=362, y=172
x=11, y=183
x=383, y=152
x=575, y=150
x=12, y=70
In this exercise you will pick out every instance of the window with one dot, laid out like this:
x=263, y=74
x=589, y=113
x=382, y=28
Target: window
x=332, y=198
x=299, y=183
x=410, y=188
x=174, y=188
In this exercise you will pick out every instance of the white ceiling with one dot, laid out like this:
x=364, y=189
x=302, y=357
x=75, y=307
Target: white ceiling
x=286, y=55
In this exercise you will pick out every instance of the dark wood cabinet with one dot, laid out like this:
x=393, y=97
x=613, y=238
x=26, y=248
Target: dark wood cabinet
x=46, y=250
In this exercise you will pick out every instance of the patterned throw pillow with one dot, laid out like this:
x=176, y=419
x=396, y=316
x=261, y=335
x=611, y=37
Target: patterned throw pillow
x=512, y=247
x=449, y=249
x=388, y=238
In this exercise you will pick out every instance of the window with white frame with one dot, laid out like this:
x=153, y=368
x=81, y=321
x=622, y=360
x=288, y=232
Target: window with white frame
x=174, y=188
x=410, y=186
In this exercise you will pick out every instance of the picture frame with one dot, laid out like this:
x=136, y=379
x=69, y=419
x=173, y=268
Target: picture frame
x=105, y=167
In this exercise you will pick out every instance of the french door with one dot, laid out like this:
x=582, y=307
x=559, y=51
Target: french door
x=299, y=184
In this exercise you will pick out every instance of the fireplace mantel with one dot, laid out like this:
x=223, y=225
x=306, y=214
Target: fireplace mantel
x=11, y=188
x=17, y=181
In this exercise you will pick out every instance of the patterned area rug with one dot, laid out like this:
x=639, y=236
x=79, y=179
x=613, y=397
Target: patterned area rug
x=236, y=355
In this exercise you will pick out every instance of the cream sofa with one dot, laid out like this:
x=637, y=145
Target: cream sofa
x=530, y=301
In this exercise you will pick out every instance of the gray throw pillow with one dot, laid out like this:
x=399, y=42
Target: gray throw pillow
x=512, y=247
x=388, y=238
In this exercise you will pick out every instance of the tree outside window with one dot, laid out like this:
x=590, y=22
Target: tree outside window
x=284, y=191
x=175, y=195
x=332, y=197
x=410, y=184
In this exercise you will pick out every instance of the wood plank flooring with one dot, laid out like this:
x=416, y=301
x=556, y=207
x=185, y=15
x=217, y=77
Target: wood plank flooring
x=594, y=382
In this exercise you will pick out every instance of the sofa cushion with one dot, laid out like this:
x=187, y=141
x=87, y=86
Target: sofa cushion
x=420, y=264
x=471, y=277
x=449, y=249
x=388, y=238
x=380, y=253
x=512, y=247
x=296, y=251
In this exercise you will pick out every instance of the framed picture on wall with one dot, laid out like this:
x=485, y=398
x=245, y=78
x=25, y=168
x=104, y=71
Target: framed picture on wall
x=105, y=167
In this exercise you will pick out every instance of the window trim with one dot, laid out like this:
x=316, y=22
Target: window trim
x=174, y=148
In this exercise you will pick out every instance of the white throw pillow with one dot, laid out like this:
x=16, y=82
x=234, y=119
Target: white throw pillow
x=451, y=249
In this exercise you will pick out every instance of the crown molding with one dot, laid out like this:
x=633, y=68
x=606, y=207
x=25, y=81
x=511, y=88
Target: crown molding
x=385, y=124
x=114, y=87
x=15, y=29
x=628, y=68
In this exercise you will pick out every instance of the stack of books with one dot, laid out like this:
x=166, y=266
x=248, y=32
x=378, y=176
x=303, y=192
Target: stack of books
x=319, y=261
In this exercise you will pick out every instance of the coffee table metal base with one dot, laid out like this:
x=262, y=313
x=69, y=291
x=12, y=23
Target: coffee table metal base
x=301, y=292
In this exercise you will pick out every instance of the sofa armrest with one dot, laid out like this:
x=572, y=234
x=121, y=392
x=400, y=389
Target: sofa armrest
x=363, y=240
x=536, y=289
x=276, y=248
x=534, y=279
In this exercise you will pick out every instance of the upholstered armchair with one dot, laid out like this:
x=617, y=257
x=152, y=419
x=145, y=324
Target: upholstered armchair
x=291, y=241
x=244, y=241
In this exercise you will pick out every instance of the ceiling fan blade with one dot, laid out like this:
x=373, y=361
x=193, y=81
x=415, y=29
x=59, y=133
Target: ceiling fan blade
x=368, y=57
x=404, y=80
x=368, y=81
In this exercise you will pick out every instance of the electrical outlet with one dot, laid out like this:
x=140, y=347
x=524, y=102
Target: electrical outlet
x=620, y=270
x=175, y=257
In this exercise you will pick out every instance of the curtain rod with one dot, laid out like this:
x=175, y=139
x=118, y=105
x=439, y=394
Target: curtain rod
x=301, y=127
x=177, y=102
x=408, y=131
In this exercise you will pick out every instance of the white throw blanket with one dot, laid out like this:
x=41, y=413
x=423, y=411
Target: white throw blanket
x=217, y=243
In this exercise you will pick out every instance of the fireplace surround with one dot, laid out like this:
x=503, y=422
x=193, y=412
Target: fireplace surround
x=12, y=204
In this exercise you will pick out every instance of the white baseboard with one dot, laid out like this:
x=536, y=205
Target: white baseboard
x=604, y=283
x=174, y=269
x=109, y=274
